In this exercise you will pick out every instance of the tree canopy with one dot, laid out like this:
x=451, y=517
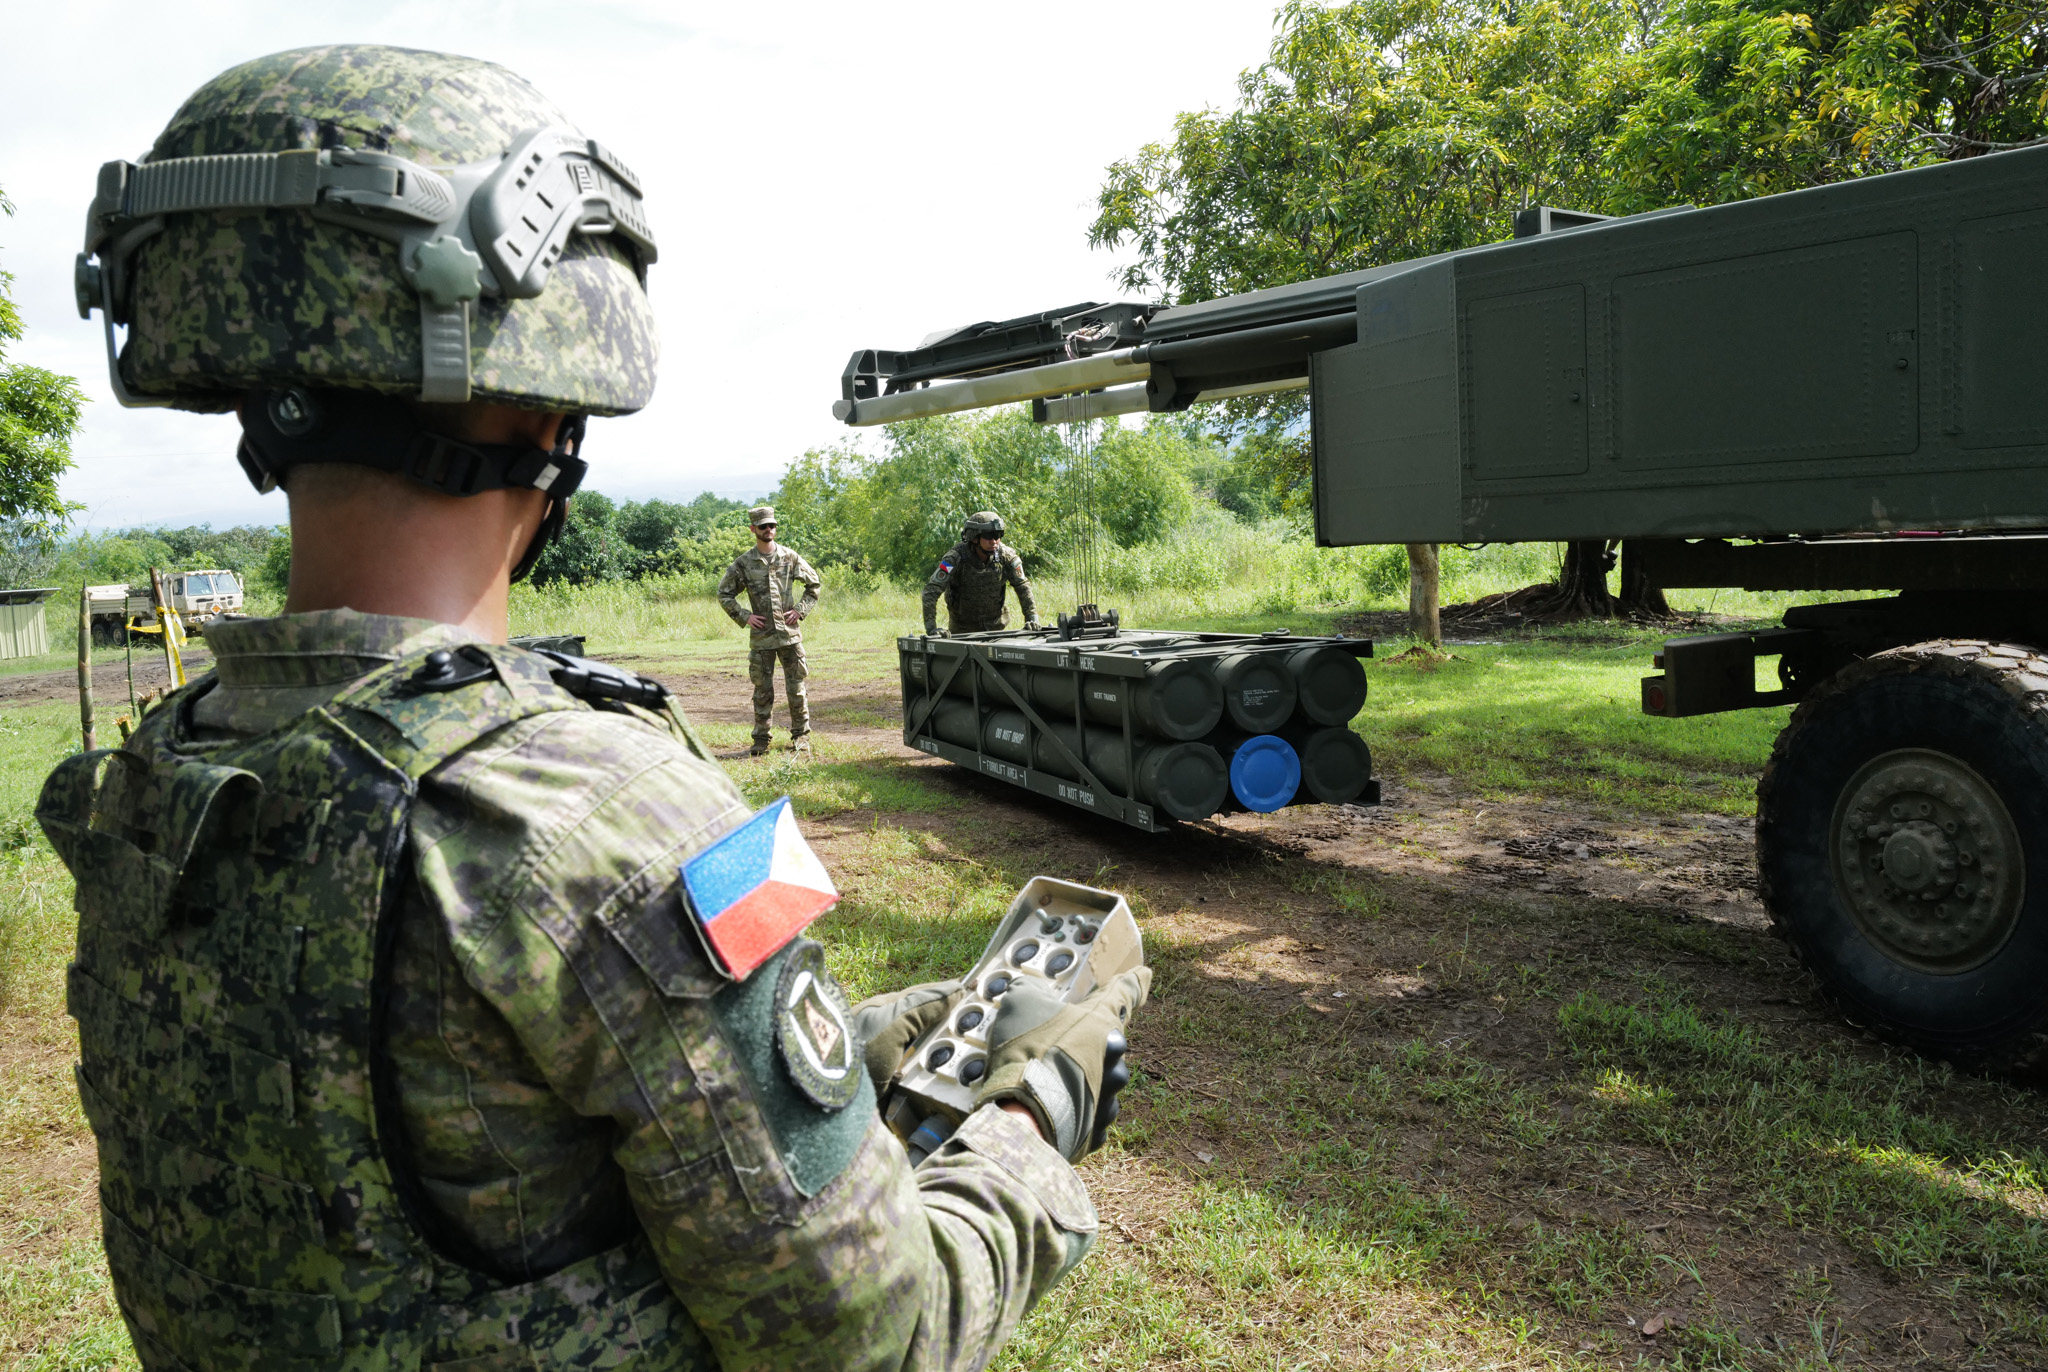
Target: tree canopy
x=894, y=514
x=1374, y=131
x=1738, y=98
x=604, y=540
x=39, y=413
x=1382, y=130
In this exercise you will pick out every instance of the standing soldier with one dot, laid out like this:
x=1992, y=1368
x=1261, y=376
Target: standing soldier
x=971, y=578
x=440, y=1004
x=771, y=572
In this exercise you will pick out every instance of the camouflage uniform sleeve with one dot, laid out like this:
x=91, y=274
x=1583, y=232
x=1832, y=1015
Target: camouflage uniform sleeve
x=1013, y=569
x=934, y=587
x=729, y=592
x=796, y=1234
x=812, y=584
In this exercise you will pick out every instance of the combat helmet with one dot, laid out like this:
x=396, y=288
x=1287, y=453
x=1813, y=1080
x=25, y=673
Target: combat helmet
x=982, y=523
x=363, y=221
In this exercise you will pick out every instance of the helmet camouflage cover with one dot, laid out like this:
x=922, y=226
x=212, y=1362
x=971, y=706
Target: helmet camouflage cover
x=366, y=260
x=983, y=523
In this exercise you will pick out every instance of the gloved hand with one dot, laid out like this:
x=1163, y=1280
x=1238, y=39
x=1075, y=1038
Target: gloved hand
x=1064, y=1061
x=933, y=631
x=889, y=1024
x=1032, y=626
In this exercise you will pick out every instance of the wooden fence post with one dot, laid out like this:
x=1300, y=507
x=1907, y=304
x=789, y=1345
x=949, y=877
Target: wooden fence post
x=85, y=715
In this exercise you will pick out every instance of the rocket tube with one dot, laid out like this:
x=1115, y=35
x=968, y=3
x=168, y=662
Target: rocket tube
x=1335, y=763
x=1258, y=690
x=1329, y=683
x=1176, y=699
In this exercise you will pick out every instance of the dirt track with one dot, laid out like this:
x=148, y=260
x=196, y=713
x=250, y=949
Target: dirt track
x=109, y=680
x=1704, y=865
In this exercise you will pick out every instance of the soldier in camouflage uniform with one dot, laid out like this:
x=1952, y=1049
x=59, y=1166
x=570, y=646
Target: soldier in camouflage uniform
x=971, y=577
x=403, y=1042
x=770, y=574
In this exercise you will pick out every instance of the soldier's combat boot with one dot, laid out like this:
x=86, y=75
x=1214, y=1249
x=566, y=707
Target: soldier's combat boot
x=801, y=743
x=759, y=749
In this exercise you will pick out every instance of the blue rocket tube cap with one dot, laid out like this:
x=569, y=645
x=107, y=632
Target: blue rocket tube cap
x=1265, y=772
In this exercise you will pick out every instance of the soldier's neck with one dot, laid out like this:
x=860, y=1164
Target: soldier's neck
x=389, y=547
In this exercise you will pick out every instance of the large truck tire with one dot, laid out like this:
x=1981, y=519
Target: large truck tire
x=1902, y=846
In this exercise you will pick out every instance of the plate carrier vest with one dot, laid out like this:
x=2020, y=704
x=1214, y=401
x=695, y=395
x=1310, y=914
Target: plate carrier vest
x=235, y=904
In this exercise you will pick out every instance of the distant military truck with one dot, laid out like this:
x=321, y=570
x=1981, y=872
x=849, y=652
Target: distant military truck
x=197, y=596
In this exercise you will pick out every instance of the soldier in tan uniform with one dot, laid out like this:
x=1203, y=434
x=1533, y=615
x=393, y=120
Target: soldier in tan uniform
x=770, y=574
x=971, y=577
x=406, y=1040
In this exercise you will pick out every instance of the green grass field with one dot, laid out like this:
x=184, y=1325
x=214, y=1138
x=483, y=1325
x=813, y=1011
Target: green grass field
x=1384, y=1116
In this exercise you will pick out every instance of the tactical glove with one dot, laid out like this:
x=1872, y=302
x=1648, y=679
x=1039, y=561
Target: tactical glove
x=1064, y=1061
x=933, y=631
x=889, y=1024
x=1032, y=626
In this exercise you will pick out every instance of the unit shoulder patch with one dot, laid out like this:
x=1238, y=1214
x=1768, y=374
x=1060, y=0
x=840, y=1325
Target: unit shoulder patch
x=813, y=1031
x=946, y=565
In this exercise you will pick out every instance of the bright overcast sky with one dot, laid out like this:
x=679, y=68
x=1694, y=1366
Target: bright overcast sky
x=820, y=178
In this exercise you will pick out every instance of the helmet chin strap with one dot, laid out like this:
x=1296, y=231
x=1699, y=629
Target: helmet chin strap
x=550, y=529
x=296, y=426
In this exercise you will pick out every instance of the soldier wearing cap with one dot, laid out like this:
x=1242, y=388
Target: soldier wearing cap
x=406, y=1039
x=770, y=574
x=971, y=577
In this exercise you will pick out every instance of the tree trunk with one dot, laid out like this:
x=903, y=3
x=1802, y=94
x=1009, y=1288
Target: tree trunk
x=1424, y=622
x=1639, y=599
x=1582, y=581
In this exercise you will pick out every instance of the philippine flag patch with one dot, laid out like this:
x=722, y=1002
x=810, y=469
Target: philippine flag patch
x=946, y=565
x=756, y=889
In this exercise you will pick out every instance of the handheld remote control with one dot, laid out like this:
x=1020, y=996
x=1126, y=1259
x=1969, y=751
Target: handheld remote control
x=1071, y=936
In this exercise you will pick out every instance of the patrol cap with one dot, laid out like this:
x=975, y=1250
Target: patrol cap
x=759, y=515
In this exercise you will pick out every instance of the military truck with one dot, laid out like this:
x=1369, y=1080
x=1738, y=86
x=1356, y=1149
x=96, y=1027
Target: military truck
x=1838, y=389
x=197, y=596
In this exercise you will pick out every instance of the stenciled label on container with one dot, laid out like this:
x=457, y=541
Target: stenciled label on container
x=997, y=768
x=1008, y=735
x=1076, y=794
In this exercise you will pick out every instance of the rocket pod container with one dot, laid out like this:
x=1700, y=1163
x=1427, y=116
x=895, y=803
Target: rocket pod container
x=1143, y=727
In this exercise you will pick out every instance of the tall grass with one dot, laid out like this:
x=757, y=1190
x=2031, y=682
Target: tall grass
x=1216, y=569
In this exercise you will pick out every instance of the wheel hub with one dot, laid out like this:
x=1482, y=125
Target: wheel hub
x=1928, y=860
x=1918, y=856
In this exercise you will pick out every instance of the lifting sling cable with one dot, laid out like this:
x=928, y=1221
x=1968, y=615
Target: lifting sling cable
x=1079, y=437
